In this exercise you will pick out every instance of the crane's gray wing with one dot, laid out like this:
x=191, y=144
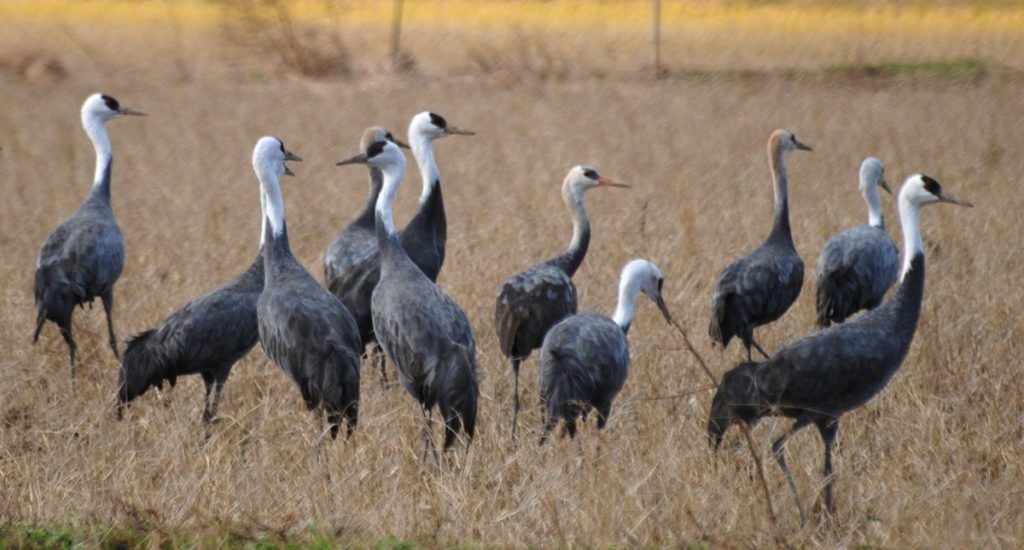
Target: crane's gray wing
x=530, y=303
x=764, y=284
x=218, y=327
x=353, y=248
x=584, y=358
x=88, y=249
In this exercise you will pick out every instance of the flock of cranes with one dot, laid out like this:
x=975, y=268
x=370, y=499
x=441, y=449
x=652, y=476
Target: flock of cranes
x=380, y=290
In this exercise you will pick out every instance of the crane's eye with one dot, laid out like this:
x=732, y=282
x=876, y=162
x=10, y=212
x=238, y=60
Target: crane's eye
x=590, y=174
x=375, y=149
x=390, y=137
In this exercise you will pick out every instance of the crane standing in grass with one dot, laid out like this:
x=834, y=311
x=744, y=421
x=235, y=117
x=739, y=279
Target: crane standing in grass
x=305, y=330
x=424, y=332
x=206, y=336
x=817, y=379
x=759, y=287
x=83, y=257
x=532, y=301
x=585, y=358
x=857, y=266
x=423, y=238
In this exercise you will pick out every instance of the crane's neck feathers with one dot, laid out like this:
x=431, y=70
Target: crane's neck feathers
x=423, y=150
x=580, y=231
x=263, y=218
x=780, y=180
x=273, y=202
x=392, y=182
x=96, y=128
x=910, y=219
x=870, y=191
x=629, y=288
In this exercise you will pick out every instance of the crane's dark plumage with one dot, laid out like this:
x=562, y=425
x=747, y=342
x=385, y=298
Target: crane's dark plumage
x=206, y=336
x=304, y=329
x=532, y=301
x=423, y=238
x=423, y=331
x=857, y=267
x=759, y=287
x=584, y=360
x=83, y=257
x=818, y=378
x=351, y=264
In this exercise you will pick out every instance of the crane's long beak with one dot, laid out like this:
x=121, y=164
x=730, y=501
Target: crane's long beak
x=608, y=182
x=884, y=185
x=358, y=159
x=456, y=131
x=288, y=155
x=664, y=309
x=128, y=111
x=951, y=198
x=401, y=144
x=288, y=171
x=801, y=146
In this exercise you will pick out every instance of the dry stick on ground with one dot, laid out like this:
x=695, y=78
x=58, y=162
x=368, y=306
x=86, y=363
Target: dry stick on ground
x=779, y=539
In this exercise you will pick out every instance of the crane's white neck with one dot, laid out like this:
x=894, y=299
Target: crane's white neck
x=96, y=128
x=629, y=287
x=392, y=182
x=910, y=219
x=780, y=179
x=272, y=203
x=423, y=150
x=870, y=192
x=580, y=220
x=263, y=218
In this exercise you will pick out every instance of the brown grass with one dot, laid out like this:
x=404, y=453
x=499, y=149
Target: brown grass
x=935, y=461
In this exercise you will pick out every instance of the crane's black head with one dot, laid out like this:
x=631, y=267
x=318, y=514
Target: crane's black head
x=376, y=133
x=105, y=107
x=111, y=103
x=922, y=190
x=438, y=120
x=378, y=154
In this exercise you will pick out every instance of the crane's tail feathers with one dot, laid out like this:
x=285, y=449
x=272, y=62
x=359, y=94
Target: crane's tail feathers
x=40, y=320
x=145, y=363
x=715, y=331
x=341, y=391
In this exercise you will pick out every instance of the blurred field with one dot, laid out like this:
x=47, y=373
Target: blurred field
x=937, y=460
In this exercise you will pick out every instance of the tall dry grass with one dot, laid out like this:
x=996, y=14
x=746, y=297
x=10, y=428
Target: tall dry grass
x=934, y=461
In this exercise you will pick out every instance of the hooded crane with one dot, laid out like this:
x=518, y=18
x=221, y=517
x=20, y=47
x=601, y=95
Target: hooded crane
x=206, y=336
x=858, y=266
x=304, y=329
x=531, y=302
x=83, y=257
x=818, y=378
x=759, y=287
x=356, y=247
x=423, y=239
x=424, y=332
x=585, y=358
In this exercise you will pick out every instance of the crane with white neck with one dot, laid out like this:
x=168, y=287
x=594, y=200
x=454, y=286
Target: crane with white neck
x=818, y=378
x=857, y=267
x=530, y=302
x=425, y=333
x=423, y=238
x=584, y=360
x=83, y=257
x=759, y=287
x=304, y=329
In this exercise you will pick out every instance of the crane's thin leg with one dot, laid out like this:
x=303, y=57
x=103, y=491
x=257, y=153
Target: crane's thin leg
x=427, y=435
x=65, y=331
x=515, y=396
x=108, y=307
x=208, y=382
x=550, y=421
x=779, y=450
x=378, y=353
x=759, y=348
x=828, y=428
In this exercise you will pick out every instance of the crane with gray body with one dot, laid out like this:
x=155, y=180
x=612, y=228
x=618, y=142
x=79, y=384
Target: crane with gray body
x=423, y=238
x=584, y=360
x=759, y=287
x=818, y=378
x=857, y=267
x=425, y=333
x=532, y=301
x=304, y=329
x=83, y=257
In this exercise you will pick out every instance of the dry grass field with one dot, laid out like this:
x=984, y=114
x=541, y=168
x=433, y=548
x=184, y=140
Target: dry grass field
x=936, y=460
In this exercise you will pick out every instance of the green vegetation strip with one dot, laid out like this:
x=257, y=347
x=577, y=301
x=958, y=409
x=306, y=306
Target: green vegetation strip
x=19, y=535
